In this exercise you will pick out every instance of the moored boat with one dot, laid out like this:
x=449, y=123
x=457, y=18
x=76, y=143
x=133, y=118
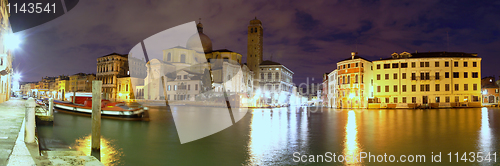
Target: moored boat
x=110, y=110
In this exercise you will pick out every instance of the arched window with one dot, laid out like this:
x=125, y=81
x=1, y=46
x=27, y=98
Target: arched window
x=251, y=30
x=183, y=58
x=169, y=57
x=255, y=30
x=126, y=87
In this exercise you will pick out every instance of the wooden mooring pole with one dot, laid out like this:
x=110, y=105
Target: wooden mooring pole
x=96, y=115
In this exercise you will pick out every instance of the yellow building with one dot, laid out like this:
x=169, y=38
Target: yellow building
x=81, y=82
x=62, y=86
x=354, y=82
x=433, y=79
x=124, y=89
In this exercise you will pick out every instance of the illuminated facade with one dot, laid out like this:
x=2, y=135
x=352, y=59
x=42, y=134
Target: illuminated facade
x=109, y=68
x=5, y=54
x=332, y=89
x=186, y=70
x=434, y=79
x=275, y=86
x=354, y=82
x=490, y=91
x=62, y=86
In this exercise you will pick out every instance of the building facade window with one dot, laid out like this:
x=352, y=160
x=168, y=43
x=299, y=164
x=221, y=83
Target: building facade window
x=403, y=75
x=447, y=99
x=378, y=88
x=456, y=75
x=386, y=76
x=183, y=58
x=446, y=75
x=413, y=88
x=378, y=76
x=474, y=64
x=437, y=88
x=387, y=88
x=395, y=88
x=466, y=75
x=436, y=64
x=446, y=87
x=456, y=87
x=455, y=64
x=465, y=64
x=403, y=88
x=446, y=64
x=413, y=65
x=404, y=99
x=475, y=75
x=466, y=87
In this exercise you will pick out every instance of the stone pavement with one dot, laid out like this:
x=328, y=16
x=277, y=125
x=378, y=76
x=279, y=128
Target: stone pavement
x=15, y=152
x=11, y=119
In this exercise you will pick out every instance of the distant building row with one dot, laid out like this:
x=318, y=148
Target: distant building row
x=433, y=79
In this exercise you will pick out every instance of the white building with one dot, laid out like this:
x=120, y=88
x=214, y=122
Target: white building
x=332, y=89
x=275, y=83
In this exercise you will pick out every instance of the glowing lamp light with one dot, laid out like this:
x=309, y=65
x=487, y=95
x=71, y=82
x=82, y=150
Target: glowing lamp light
x=351, y=95
x=12, y=41
x=120, y=94
x=485, y=92
x=16, y=77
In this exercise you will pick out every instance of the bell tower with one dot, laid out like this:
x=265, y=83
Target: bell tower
x=254, y=48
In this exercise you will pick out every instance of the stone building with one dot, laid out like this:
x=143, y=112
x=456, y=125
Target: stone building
x=255, y=48
x=276, y=83
x=332, y=89
x=433, y=79
x=109, y=68
x=5, y=53
x=354, y=76
x=490, y=91
x=185, y=69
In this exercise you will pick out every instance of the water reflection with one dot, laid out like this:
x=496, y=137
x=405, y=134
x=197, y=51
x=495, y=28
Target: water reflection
x=351, y=145
x=277, y=133
x=485, y=136
x=110, y=155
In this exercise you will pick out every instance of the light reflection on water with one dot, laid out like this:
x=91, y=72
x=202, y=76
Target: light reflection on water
x=277, y=133
x=110, y=155
x=271, y=136
x=351, y=145
x=485, y=136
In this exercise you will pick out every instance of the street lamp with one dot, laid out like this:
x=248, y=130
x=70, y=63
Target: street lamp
x=12, y=41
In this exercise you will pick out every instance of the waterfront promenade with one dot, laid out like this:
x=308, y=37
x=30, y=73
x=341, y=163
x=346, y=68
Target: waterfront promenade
x=15, y=152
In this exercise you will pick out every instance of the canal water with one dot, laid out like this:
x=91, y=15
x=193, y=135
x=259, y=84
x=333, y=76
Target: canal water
x=281, y=136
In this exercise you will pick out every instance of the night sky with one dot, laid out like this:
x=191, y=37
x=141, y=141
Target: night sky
x=308, y=37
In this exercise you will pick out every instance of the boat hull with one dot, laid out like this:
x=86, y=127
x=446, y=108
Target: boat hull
x=135, y=115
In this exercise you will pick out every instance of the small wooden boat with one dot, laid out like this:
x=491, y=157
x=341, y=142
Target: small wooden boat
x=110, y=110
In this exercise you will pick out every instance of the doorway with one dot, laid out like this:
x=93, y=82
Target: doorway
x=424, y=100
